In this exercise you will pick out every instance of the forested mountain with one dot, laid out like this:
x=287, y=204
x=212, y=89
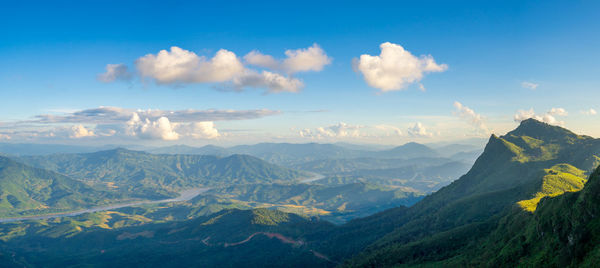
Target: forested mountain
x=145, y=175
x=527, y=201
x=25, y=190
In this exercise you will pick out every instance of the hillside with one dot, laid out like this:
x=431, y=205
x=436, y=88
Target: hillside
x=233, y=238
x=512, y=168
x=525, y=202
x=25, y=191
x=155, y=176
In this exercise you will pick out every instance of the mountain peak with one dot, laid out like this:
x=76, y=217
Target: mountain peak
x=543, y=131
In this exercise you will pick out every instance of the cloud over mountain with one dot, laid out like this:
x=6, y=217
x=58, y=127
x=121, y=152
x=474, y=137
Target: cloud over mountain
x=548, y=117
x=122, y=122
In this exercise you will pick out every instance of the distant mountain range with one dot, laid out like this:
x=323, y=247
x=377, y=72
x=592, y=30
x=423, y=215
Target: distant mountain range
x=524, y=202
x=291, y=154
x=146, y=175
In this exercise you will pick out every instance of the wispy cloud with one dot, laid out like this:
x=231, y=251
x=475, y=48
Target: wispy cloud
x=121, y=122
x=529, y=85
x=395, y=68
x=548, y=117
x=590, y=111
x=115, y=72
x=471, y=117
x=107, y=115
x=340, y=130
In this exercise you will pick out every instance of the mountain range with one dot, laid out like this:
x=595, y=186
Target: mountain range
x=530, y=199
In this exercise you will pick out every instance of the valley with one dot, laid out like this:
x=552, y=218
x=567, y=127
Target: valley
x=338, y=218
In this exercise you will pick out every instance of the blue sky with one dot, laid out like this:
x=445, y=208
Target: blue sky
x=52, y=54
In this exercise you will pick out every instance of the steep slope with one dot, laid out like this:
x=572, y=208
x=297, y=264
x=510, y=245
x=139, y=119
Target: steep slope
x=25, y=190
x=149, y=175
x=511, y=169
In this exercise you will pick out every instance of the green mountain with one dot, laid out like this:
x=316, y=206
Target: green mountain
x=25, y=190
x=147, y=175
x=232, y=238
x=525, y=202
x=512, y=168
x=336, y=203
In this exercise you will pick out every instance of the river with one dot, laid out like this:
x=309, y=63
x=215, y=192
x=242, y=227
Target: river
x=184, y=195
x=315, y=177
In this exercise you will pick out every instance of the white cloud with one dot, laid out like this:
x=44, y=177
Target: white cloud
x=302, y=60
x=390, y=129
x=79, y=131
x=199, y=130
x=591, y=111
x=312, y=58
x=395, y=68
x=529, y=85
x=183, y=66
x=119, y=122
x=548, y=117
x=340, y=130
x=115, y=72
x=109, y=115
x=558, y=111
x=470, y=116
x=262, y=60
x=147, y=129
x=274, y=82
x=418, y=130
x=179, y=66
x=4, y=137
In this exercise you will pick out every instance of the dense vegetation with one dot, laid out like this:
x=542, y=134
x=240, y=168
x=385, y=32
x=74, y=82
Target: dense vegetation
x=147, y=175
x=25, y=191
x=525, y=202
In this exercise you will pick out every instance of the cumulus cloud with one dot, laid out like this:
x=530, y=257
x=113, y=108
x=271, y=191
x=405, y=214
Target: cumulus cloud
x=79, y=131
x=274, y=82
x=548, y=117
x=4, y=137
x=591, y=111
x=148, y=129
x=261, y=60
x=115, y=72
x=303, y=60
x=178, y=66
x=199, y=130
x=388, y=129
x=129, y=123
x=529, y=85
x=395, y=68
x=418, y=130
x=183, y=66
x=470, y=116
x=312, y=58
